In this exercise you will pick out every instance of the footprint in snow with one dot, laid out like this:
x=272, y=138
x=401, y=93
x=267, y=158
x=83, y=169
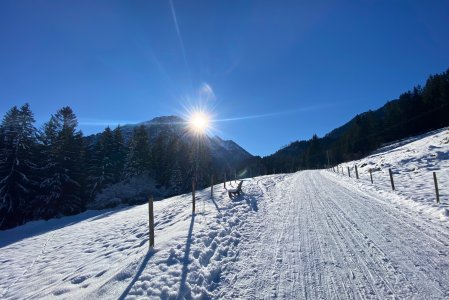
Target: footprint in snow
x=79, y=279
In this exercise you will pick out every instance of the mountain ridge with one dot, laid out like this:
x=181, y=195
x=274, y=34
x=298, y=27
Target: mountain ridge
x=226, y=154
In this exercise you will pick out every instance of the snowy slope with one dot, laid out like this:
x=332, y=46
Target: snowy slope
x=412, y=162
x=308, y=235
x=105, y=254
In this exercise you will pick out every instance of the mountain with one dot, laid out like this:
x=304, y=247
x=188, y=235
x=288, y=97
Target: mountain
x=225, y=154
x=416, y=111
x=176, y=156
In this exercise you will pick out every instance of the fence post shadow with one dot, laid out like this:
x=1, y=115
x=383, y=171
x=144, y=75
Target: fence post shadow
x=185, y=263
x=216, y=205
x=149, y=254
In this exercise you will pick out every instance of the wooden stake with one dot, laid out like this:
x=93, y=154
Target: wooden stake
x=356, y=172
x=349, y=172
x=151, y=221
x=371, y=175
x=436, y=186
x=193, y=195
x=211, y=185
x=391, y=179
x=224, y=182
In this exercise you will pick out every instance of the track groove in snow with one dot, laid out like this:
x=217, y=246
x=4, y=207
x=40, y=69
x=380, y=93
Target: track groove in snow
x=321, y=237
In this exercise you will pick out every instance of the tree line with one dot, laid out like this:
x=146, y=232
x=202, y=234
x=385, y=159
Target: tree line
x=54, y=171
x=416, y=111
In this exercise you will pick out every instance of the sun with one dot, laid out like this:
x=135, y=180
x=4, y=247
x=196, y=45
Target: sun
x=199, y=122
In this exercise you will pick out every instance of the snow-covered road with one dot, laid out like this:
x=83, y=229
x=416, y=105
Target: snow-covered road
x=319, y=236
x=308, y=235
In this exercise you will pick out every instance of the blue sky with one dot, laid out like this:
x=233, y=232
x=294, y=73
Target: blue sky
x=272, y=71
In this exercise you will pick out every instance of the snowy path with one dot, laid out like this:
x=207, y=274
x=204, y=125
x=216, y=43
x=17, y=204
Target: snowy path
x=308, y=235
x=324, y=238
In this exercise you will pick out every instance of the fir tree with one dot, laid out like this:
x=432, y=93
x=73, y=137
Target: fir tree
x=17, y=166
x=139, y=157
x=62, y=184
x=119, y=152
x=101, y=165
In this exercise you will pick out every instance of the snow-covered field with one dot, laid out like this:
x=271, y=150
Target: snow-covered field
x=412, y=162
x=308, y=235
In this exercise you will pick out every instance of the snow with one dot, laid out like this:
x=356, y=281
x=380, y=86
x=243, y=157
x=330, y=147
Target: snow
x=308, y=235
x=131, y=191
x=104, y=254
x=412, y=162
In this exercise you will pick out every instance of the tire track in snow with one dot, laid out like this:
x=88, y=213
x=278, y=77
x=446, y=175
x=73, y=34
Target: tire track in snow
x=322, y=239
x=370, y=268
x=410, y=238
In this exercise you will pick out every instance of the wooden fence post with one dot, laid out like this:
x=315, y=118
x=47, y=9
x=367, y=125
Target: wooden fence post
x=436, y=186
x=349, y=172
x=224, y=182
x=151, y=221
x=211, y=185
x=371, y=174
x=193, y=195
x=356, y=172
x=391, y=179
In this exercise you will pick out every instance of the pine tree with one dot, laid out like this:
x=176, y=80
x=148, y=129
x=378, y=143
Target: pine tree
x=139, y=157
x=17, y=166
x=161, y=155
x=180, y=168
x=101, y=165
x=119, y=152
x=62, y=183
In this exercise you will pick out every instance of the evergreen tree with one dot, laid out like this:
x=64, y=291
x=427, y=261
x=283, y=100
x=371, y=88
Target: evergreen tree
x=118, y=154
x=101, y=166
x=139, y=157
x=62, y=184
x=159, y=155
x=17, y=166
x=177, y=171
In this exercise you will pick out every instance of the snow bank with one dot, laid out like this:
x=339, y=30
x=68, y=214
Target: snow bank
x=412, y=162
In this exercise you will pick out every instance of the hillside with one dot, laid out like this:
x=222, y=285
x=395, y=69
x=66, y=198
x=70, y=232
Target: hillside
x=309, y=235
x=416, y=111
x=413, y=162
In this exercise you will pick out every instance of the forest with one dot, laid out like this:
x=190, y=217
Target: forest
x=416, y=111
x=54, y=171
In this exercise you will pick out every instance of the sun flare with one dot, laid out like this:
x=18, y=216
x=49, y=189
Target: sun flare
x=199, y=122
